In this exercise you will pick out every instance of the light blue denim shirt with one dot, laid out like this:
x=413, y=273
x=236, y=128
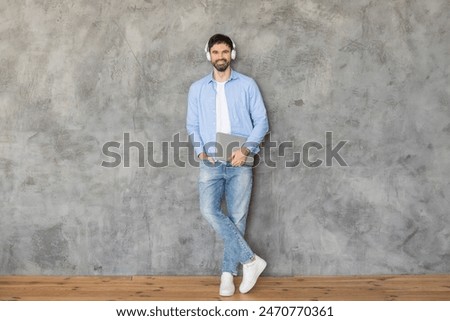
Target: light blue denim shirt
x=248, y=116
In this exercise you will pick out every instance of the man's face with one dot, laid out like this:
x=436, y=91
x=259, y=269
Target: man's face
x=220, y=56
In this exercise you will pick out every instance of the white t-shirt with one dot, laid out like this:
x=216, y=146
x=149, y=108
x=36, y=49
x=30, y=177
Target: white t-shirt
x=222, y=117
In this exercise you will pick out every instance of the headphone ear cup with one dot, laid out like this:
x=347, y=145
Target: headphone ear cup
x=208, y=55
x=233, y=51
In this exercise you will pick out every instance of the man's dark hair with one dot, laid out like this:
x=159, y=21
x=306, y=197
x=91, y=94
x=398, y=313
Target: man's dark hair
x=219, y=38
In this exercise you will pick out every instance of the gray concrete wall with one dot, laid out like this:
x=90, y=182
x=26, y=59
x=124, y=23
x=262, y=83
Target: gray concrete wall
x=77, y=74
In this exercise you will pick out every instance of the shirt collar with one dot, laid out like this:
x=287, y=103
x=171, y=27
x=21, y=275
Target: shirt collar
x=234, y=75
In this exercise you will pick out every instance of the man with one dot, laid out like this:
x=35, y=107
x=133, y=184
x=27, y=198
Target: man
x=228, y=102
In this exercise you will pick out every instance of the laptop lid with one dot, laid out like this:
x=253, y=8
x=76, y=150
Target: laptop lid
x=226, y=144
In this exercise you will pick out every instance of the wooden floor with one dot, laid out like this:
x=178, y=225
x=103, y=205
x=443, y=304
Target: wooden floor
x=181, y=288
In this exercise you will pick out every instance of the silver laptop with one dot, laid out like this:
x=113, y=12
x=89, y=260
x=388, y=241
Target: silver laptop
x=227, y=144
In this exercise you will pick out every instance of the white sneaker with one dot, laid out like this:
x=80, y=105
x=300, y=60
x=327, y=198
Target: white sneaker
x=226, y=284
x=251, y=271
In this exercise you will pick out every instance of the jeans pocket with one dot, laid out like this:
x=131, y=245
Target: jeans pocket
x=206, y=163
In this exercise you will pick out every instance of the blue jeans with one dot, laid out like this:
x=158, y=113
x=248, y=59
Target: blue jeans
x=235, y=183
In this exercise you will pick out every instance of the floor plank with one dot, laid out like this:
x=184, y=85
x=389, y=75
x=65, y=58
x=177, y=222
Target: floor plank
x=205, y=288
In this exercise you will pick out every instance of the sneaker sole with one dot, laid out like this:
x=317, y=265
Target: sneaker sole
x=226, y=293
x=256, y=278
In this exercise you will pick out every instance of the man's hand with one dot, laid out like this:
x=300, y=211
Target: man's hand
x=239, y=156
x=204, y=156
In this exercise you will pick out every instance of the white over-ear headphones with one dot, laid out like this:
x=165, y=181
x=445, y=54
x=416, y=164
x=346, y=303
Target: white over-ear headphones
x=208, y=54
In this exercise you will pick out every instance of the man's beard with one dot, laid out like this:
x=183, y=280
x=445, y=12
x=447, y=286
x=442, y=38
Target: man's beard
x=221, y=65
